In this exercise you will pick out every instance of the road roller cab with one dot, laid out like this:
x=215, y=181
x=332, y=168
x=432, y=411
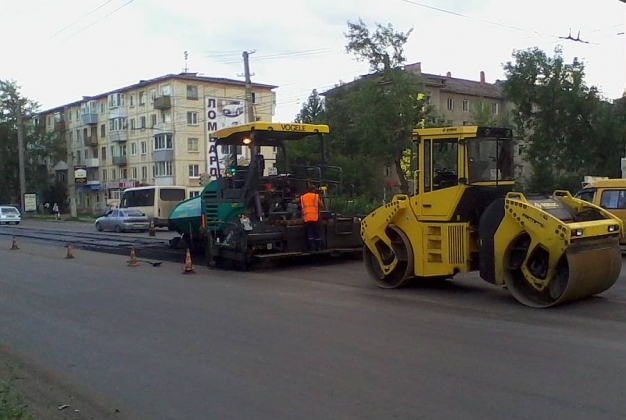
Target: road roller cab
x=464, y=215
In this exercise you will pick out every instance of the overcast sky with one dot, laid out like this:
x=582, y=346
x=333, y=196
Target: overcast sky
x=64, y=49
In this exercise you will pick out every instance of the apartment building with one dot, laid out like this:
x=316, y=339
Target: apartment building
x=155, y=132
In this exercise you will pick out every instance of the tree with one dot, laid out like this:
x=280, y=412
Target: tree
x=38, y=146
x=312, y=111
x=569, y=130
x=372, y=119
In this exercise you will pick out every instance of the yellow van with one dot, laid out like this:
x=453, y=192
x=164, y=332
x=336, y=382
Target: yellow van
x=609, y=194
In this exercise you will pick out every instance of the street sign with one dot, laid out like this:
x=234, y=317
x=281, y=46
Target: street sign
x=30, y=202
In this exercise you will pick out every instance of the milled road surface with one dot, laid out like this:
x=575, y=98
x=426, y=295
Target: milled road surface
x=307, y=342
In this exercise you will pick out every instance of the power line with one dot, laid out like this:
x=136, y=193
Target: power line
x=490, y=22
x=83, y=17
x=102, y=18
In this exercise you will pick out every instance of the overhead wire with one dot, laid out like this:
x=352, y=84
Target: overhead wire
x=78, y=20
x=99, y=20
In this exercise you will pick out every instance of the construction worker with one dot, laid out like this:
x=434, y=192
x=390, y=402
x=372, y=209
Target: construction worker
x=311, y=204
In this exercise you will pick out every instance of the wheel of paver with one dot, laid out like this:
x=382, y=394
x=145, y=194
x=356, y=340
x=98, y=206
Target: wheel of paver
x=118, y=229
x=399, y=257
x=98, y=227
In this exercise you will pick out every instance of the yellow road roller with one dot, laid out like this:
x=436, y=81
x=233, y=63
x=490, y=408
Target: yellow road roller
x=464, y=215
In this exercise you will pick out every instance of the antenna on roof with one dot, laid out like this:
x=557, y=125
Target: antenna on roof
x=186, y=68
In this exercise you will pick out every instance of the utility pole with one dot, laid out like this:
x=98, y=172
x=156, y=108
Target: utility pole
x=20, y=152
x=246, y=69
x=71, y=185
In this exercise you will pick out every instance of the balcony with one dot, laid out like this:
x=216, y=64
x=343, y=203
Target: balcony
x=92, y=163
x=120, y=160
x=59, y=125
x=166, y=155
x=118, y=112
x=163, y=102
x=118, y=135
x=90, y=141
x=89, y=119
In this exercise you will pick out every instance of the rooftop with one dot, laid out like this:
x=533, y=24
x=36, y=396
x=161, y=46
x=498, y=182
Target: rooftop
x=446, y=83
x=182, y=76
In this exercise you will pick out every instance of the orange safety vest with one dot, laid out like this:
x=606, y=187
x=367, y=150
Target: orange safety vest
x=310, y=207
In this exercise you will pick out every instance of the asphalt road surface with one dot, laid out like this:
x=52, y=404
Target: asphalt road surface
x=317, y=342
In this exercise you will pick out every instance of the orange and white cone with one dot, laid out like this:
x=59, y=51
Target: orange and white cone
x=188, y=267
x=14, y=245
x=70, y=252
x=133, y=259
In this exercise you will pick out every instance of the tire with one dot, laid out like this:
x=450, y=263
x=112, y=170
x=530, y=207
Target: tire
x=17, y=223
x=98, y=227
x=118, y=229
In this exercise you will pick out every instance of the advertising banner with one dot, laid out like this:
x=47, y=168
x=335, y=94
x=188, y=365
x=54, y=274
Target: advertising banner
x=221, y=113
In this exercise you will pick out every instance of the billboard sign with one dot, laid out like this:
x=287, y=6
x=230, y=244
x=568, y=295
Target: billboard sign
x=220, y=113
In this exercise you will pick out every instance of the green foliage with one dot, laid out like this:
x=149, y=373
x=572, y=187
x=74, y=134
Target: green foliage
x=482, y=115
x=383, y=49
x=570, y=131
x=312, y=111
x=12, y=405
x=353, y=206
x=38, y=146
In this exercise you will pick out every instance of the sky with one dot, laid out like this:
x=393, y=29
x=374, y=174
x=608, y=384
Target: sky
x=66, y=49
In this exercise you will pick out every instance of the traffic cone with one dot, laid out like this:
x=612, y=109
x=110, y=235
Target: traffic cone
x=151, y=231
x=133, y=259
x=188, y=268
x=70, y=253
x=14, y=245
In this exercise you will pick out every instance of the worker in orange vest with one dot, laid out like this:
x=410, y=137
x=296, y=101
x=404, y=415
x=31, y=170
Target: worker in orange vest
x=311, y=204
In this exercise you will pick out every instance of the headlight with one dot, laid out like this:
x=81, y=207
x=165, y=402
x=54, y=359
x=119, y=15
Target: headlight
x=577, y=232
x=613, y=228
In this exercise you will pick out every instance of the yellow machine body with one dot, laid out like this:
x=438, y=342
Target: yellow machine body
x=464, y=216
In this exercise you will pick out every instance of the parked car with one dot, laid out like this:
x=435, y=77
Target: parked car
x=10, y=215
x=123, y=220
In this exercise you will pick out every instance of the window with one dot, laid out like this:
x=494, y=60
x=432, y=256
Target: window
x=132, y=123
x=450, y=104
x=115, y=100
x=192, y=118
x=465, y=105
x=102, y=107
x=104, y=175
x=495, y=108
x=194, y=171
x=152, y=95
x=144, y=172
x=117, y=124
x=253, y=98
x=142, y=122
x=131, y=100
x=166, y=117
x=172, y=194
x=144, y=148
x=113, y=151
x=69, y=115
x=113, y=177
x=586, y=195
x=85, y=153
x=71, y=137
x=193, y=194
x=387, y=171
x=103, y=153
x=192, y=144
x=162, y=141
x=163, y=168
x=153, y=120
x=133, y=149
x=124, y=173
x=613, y=199
x=444, y=157
x=142, y=98
x=134, y=172
x=102, y=130
x=192, y=92
x=123, y=149
x=165, y=90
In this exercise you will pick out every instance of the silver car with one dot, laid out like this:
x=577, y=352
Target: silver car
x=10, y=214
x=122, y=220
